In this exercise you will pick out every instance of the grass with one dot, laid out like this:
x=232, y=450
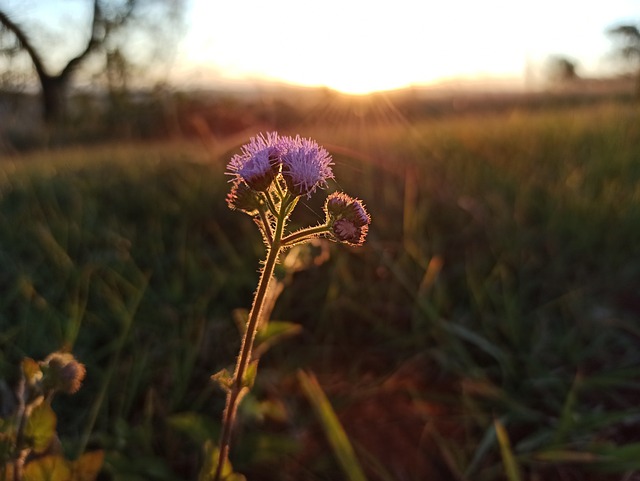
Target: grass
x=488, y=328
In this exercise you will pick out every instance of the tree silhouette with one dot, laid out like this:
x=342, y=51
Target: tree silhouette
x=108, y=19
x=628, y=37
x=562, y=69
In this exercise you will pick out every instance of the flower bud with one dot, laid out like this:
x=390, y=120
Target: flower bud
x=62, y=372
x=345, y=230
x=348, y=218
x=357, y=214
x=336, y=203
x=243, y=198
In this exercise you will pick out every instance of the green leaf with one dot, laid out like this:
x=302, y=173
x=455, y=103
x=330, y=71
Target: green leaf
x=566, y=421
x=41, y=427
x=47, y=468
x=224, y=379
x=31, y=370
x=566, y=456
x=211, y=454
x=272, y=333
x=250, y=374
x=619, y=458
x=261, y=410
x=197, y=427
x=333, y=429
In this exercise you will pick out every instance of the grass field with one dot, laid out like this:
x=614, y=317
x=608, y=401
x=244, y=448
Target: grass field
x=488, y=329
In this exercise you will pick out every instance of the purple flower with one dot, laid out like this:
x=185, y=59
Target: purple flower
x=63, y=372
x=348, y=218
x=259, y=162
x=336, y=203
x=305, y=165
x=346, y=231
x=357, y=214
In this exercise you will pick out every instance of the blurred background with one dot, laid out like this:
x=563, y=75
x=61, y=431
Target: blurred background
x=153, y=69
x=487, y=330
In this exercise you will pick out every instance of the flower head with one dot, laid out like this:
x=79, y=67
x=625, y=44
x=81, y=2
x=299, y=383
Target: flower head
x=348, y=217
x=259, y=162
x=346, y=231
x=336, y=203
x=62, y=372
x=305, y=165
x=357, y=214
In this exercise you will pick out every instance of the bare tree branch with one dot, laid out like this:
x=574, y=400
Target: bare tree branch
x=105, y=22
x=25, y=43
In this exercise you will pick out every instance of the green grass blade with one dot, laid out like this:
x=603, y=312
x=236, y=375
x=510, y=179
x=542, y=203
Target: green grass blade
x=512, y=470
x=334, y=431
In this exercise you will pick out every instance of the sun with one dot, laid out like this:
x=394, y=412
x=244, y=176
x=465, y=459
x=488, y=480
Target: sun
x=363, y=85
x=345, y=46
x=356, y=47
x=353, y=83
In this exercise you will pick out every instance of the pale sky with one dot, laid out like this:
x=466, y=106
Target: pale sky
x=363, y=45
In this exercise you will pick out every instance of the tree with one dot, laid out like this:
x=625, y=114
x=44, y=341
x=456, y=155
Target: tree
x=108, y=22
x=628, y=37
x=562, y=69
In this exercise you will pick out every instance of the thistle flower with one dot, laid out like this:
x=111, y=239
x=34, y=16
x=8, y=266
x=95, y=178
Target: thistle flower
x=357, y=214
x=62, y=372
x=270, y=175
x=243, y=198
x=259, y=162
x=336, y=203
x=348, y=218
x=346, y=231
x=305, y=165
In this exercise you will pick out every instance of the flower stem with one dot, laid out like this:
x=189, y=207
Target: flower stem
x=266, y=226
x=270, y=204
x=304, y=234
x=238, y=388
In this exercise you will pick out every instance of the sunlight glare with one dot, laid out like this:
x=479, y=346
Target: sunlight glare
x=358, y=46
x=354, y=47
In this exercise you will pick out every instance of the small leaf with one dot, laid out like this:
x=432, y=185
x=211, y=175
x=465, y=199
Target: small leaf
x=47, y=468
x=31, y=370
x=250, y=374
x=272, y=333
x=197, y=427
x=87, y=466
x=224, y=379
x=41, y=427
x=212, y=454
x=274, y=410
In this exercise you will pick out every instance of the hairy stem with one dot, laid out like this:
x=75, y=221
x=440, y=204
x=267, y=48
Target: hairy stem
x=238, y=389
x=305, y=234
x=266, y=226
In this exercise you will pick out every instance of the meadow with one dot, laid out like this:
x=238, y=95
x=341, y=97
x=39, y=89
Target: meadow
x=487, y=330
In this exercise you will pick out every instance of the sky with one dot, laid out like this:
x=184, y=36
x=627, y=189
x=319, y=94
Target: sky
x=359, y=46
